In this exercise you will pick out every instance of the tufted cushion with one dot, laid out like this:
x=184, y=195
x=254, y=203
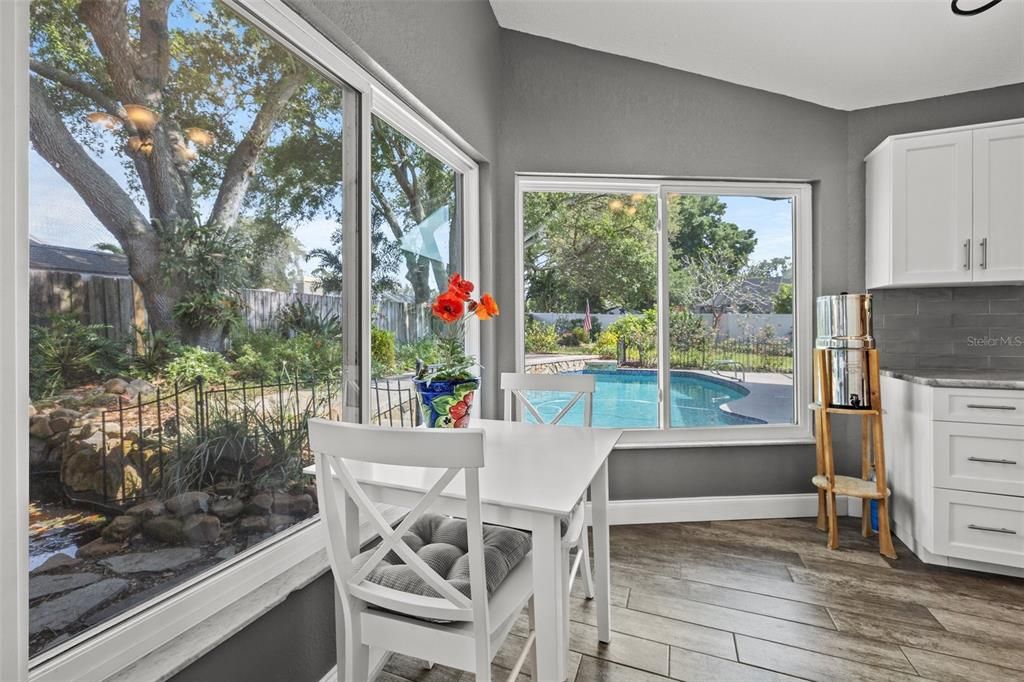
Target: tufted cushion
x=442, y=543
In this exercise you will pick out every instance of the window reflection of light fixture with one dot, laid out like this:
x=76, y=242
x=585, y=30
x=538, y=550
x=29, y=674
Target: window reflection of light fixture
x=616, y=205
x=140, y=144
x=102, y=118
x=638, y=197
x=203, y=138
x=142, y=118
x=630, y=210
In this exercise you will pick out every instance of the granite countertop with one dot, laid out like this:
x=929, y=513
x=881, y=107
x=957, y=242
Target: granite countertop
x=1012, y=379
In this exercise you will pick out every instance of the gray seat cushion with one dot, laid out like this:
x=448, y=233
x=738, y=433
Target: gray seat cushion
x=442, y=543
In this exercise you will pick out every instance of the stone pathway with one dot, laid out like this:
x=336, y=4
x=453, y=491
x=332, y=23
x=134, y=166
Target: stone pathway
x=45, y=585
x=152, y=562
x=58, y=613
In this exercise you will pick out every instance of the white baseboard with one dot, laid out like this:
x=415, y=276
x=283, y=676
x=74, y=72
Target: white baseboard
x=726, y=508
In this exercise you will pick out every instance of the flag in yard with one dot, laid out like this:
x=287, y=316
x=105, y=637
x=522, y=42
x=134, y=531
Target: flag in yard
x=587, y=324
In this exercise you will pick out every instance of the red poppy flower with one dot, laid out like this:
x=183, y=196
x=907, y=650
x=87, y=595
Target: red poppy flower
x=462, y=288
x=449, y=307
x=488, y=307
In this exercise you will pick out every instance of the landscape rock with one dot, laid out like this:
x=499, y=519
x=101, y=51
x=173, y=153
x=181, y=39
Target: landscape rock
x=300, y=505
x=115, y=386
x=141, y=387
x=201, y=529
x=188, y=503
x=58, y=613
x=31, y=410
x=65, y=413
x=278, y=521
x=54, y=563
x=253, y=524
x=121, y=528
x=225, y=553
x=38, y=451
x=260, y=503
x=61, y=424
x=99, y=547
x=147, y=509
x=45, y=585
x=40, y=427
x=227, y=509
x=156, y=561
x=164, y=529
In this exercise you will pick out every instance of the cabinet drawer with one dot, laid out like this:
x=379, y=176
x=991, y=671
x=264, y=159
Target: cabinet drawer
x=980, y=527
x=979, y=406
x=984, y=458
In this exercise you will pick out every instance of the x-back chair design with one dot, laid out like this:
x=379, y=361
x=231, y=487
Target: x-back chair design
x=582, y=386
x=436, y=621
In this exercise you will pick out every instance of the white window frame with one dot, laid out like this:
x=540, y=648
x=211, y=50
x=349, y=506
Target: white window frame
x=665, y=436
x=125, y=639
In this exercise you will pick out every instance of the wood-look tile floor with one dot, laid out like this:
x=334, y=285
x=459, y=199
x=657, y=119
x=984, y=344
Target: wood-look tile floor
x=766, y=600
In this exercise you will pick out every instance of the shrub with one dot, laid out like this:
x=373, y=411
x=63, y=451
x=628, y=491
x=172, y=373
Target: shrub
x=686, y=330
x=152, y=352
x=265, y=356
x=581, y=334
x=195, y=362
x=65, y=353
x=540, y=337
x=607, y=345
x=568, y=339
x=565, y=324
x=382, y=351
x=297, y=317
x=406, y=354
x=639, y=332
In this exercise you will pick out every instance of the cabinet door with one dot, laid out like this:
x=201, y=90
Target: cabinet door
x=931, y=209
x=999, y=203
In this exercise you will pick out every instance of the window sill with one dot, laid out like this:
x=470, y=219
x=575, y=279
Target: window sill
x=729, y=437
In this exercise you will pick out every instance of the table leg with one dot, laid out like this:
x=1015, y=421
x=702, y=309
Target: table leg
x=552, y=648
x=602, y=552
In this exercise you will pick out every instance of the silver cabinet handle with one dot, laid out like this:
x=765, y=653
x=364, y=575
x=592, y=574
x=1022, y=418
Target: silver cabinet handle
x=991, y=461
x=976, y=406
x=1006, y=531
x=967, y=254
x=983, y=262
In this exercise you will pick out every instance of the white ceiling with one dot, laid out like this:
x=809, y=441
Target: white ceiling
x=845, y=54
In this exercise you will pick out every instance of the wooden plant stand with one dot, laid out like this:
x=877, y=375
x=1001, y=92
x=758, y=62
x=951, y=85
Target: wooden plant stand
x=871, y=442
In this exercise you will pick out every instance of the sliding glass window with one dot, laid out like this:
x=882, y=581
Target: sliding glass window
x=687, y=302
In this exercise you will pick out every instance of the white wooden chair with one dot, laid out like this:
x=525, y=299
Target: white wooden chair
x=582, y=386
x=451, y=629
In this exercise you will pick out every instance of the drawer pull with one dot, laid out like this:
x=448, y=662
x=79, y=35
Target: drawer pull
x=991, y=461
x=1006, y=531
x=991, y=407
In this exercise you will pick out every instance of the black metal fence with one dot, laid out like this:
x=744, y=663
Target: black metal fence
x=751, y=355
x=184, y=438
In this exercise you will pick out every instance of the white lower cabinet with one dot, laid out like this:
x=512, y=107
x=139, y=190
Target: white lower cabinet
x=956, y=469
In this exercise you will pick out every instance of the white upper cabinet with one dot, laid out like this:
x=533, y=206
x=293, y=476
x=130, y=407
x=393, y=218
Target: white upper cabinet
x=946, y=207
x=999, y=203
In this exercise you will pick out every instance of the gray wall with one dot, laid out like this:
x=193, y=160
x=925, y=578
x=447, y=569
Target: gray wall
x=945, y=327
x=569, y=109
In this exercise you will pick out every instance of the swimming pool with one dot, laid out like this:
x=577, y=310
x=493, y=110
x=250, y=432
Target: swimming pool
x=628, y=399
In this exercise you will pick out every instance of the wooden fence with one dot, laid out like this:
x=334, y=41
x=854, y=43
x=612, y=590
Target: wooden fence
x=117, y=303
x=95, y=299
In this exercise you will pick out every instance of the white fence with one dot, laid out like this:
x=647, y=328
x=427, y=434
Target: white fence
x=730, y=326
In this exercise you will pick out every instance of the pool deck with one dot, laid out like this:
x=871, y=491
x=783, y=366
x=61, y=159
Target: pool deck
x=770, y=397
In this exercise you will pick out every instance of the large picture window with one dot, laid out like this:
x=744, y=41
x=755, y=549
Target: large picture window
x=686, y=302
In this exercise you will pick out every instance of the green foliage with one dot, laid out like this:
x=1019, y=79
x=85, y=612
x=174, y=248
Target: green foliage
x=540, y=337
x=697, y=226
x=579, y=248
x=382, y=351
x=638, y=332
x=686, y=330
x=152, y=351
x=568, y=339
x=194, y=363
x=298, y=317
x=407, y=354
x=64, y=353
x=782, y=301
x=211, y=259
x=607, y=345
x=266, y=356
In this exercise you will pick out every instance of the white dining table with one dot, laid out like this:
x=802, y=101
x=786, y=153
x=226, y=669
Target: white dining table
x=533, y=476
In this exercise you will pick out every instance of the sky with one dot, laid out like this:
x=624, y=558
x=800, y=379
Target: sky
x=772, y=221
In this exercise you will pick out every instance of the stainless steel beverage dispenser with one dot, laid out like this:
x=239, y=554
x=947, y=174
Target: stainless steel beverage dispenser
x=844, y=328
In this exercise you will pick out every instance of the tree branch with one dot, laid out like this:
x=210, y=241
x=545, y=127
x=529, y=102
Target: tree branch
x=242, y=162
x=154, y=44
x=105, y=198
x=107, y=21
x=52, y=73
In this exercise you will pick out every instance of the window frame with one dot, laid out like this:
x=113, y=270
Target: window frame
x=112, y=646
x=666, y=436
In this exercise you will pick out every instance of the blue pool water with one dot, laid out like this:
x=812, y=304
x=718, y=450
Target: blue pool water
x=628, y=399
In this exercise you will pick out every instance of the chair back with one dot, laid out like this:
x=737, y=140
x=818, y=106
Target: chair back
x=517, y=384
x=343, y=500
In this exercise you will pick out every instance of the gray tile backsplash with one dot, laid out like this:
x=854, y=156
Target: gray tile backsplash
x=950, y=327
